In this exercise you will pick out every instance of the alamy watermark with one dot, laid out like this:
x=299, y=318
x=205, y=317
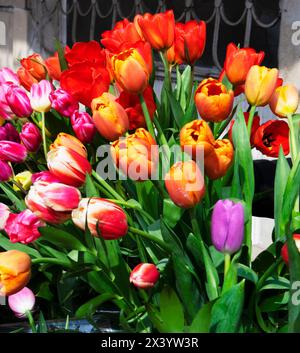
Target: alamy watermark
x=295, y=39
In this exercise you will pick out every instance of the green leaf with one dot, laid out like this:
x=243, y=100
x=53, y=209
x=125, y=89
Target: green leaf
x=61, y=238
x=171, y=212
x=8, y=245
x=227, y=83
x=42, y=325
x=61, y=55
x=176, y=108
x=13, y=196
x=227, y=310
x=185, y=92
x=247, y=273
x=90, y=188
x=201, y=322
x=89, y=308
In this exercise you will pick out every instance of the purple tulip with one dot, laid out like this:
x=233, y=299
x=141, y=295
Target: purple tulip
x=12, y=151
x=227, y=226
x=83, y=126
x=63, y=102
x=5, y=171
x=18, y=101
x=31, y=137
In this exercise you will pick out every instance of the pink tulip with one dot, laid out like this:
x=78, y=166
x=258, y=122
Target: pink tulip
x=21, y=302
x=18, y=101
x=63, y=102
x=4, y=214
x=23, y=227
x=52, y=202
x=44, y=176
x=5, y=171
x=69, y=166
x=5, y=111
x=7, y=75
x=83, y=126
x=144, y=275
x=39, y=96
x=31, y=137
x=12, y=151
x=9, y=132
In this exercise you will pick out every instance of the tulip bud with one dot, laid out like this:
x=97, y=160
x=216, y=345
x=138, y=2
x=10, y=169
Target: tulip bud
x=5, y=110
x=129, y=64
x=109, y=117
x=260, y=85
x=52, y=202
x=284, y=101
x=35, y=65
x=219, y=160
x=23, y=179
x=15, y=269
x=68, y=166
x=136, y=155
x=144, y=275
x=103, y=218
x=83, y=126
x=227, y=226
x=71, y=142
x=39, y=96
x=9, y=132
x=185, y=184
x=5, y=171
x=53, y=67
x=23, y=227
x=31, y=137
x=63, y=102
x=213, y=101
x=44, y=176
x=4, y=214
x=21, y=302
x=26, y=79
x=284, y=249
x=12, y=151
x=18, y=101
x=7, y=75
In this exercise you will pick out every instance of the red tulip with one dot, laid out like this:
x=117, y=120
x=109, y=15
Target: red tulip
x=144, y=275
x=88, y=52
x=284, y=249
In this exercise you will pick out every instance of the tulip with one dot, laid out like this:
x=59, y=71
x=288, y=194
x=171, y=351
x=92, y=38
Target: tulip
x=23, y=227
x=14, y=271
x=185, y=184
x=23, y=179
x=5, y=171
x=26, y=79
x=9, y=132
x=109, y=117
x=157, y=29
x=190, y=40
x=284, y=249
x=12, y=151
x=220, y=160
x=5, y=111
x=69, y=141
x=103, y=218
x=213, y=101
x=239, y=61
x=144, y=275
x=284, y=101
x=4, y=214
x=39, y=96
x=260, y=85
x=270, y=136
x=18, y=101
x=68, y=166
x=22, y=302
x=136, y=155
x=35, y=65
x=44, y=176
x=129, y=64
x=227, y=226
x=52, y=202
x=53, y=67
x=85, y=52
x=31, y=137
x=173, y=56
x=63, y=102
x=197, y=135
x=237, y=90
x=7, y=75
x=83, y=126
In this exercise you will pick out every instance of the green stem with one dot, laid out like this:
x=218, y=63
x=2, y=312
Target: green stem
x=50, y=260
x=44, y=136
x=250, y=121
x=226, y=264
x=147, y=116
x=31, y=321
x=167, y=78
x=151, y=237
x=107, y=186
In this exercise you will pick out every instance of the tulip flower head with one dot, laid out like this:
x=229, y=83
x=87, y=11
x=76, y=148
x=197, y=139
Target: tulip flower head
x=31, y=137
x=5, y=171
x=284, y=101
x=23, y=179
x=227, y=226
x=39, y=96
x=12, y=151
x=18, y=101
x=144, y=276
x=83, y=126
x=284, y=249
x=22, y=302
x=4, y=214
x=9, y=132
x=69, y=141
x=7, y=75
x=63, y=102
x=44, y=176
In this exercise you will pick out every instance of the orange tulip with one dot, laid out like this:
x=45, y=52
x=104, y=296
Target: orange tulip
x=136, y=155
x=15, y=269
x=198, y=135
x=284, y=101
x=35, y=65
x=218, y=162
x=157, y=29
x=71, y=142
x=53, y=67
x=109, y=116
x=185, y=184
x=260, y=85
x=130, y=71
x=213, y=101
x=26, y=79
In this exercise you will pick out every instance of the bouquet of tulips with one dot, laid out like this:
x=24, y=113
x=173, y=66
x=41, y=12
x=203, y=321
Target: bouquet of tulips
x=114, y=194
